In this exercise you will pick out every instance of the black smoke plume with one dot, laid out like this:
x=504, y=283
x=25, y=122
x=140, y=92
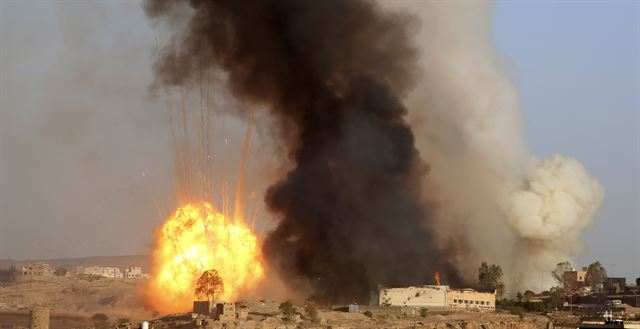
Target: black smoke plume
x=332, y=73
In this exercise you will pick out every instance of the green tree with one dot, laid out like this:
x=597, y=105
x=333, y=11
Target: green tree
x=596, y=274
x=209, y=286
x=423, y=312
x=558, y=273
x=286, y=308
x=490, y=277
x=638, y=282
x=556, y=297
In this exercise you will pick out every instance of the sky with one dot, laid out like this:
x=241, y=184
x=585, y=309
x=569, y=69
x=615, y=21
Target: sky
x=84, y=148
x=576, y=65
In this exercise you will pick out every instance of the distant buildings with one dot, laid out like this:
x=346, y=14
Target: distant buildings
x=135, y=272
x=103, y=271
x=436, y=296
x=131, y=272
x=615, y=285
x=37, y=269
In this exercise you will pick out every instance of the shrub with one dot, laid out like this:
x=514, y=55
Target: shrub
x=311, y=311
x=423, y=312
x=286, y=308
x=368, y=314
x=100, y=317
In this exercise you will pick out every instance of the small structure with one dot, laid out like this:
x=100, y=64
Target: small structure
x=353, y=308
x=572, y=280
x=203, y=307
x=39, y=318
x=225, y=312
x=37, y=269
x=135, y=272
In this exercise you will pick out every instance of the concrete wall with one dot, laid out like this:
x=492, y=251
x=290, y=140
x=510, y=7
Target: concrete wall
x=39, y=318
x=423, y=296
x=469, y=298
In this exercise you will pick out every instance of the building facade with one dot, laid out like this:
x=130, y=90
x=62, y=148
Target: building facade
x=437, y=296
x=38, y=269
x=135, y=272
x=469, y=298
x=425, y=296
x=573, y=280
x=103, y=271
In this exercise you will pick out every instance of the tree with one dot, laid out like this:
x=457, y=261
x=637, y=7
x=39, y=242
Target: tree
x=209, y=286
x=558, y=273
x=596, y=274
x=490, y=277
x=556, y=297
x=60, y=271
x=638, y=282
x=286, y=308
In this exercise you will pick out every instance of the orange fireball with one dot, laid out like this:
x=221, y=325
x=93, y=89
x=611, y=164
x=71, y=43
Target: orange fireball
x=197, y=238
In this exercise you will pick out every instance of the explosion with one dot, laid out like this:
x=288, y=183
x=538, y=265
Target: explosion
x=197, y=238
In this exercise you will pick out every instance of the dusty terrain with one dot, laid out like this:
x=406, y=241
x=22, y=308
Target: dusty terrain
x=72, y=299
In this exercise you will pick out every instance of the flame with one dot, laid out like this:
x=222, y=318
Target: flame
x=436, y=276
x=197, y=238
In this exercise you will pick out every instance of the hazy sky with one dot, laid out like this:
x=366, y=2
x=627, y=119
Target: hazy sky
x=577, y=67
x=84, y=152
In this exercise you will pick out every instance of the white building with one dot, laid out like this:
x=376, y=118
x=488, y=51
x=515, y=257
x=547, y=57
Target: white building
x=436, y=296
x=37, y=269
x=414, y=296
x=103, y=271
x=135, y=272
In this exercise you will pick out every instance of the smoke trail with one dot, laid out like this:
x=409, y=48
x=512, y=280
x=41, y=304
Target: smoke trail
x=331, y=72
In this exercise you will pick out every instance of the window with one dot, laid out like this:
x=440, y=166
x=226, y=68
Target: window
x=455, y=300
x=477, y=302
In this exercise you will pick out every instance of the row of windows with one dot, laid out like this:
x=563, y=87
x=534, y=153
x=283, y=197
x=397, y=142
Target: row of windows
x=465, y=301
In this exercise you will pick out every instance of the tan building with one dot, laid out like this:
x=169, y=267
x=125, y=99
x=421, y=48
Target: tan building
x=103, y=271
x=573, y=280
x=437, y=296
x=38, y=269
x=135, y=272
x=432, y=295
x=469, y=298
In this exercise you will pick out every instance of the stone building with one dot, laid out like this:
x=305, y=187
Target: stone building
x=436, y=296
x=572, y=280
x=469, y=298
x=135, y=272
x=39, y=318
x=431, y=295
x=37, y=269
x=103, y=271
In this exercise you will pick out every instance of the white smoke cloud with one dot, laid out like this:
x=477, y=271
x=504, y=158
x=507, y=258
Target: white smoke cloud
x=560, y=198
x=494, y=202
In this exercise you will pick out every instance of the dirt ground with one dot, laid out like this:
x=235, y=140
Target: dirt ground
x=73, y=297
